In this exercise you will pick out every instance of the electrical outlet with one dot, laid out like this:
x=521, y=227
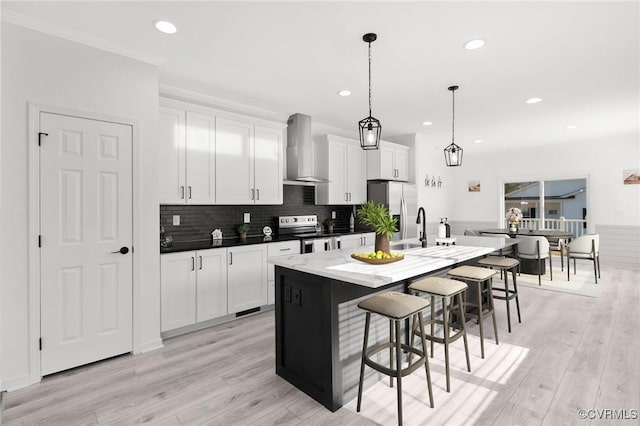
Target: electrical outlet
x=247, y=218
x=287, y=293
x=176, y=220
x=333, y=214
x=296, y=296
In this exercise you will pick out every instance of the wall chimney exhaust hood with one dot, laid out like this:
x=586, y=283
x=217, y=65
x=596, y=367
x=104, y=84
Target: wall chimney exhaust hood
x=300, y=158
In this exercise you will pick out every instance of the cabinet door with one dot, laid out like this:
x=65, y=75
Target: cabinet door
x=234, y=168
x=350, y=241
x=177, y=290
x=337, y=187
x=247, y=277
x=211, y=285
x=171, y=155
x=268, y=165
x=200, y=158
x=356, y=175
x=402, y=165
x=369, y=238
x=387, y=164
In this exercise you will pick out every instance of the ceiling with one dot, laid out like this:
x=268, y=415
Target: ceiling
x=581, y=58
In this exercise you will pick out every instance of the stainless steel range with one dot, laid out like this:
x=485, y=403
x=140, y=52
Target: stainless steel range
x=306, y=228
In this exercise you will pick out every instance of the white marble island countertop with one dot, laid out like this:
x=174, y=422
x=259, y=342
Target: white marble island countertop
x=338, y=264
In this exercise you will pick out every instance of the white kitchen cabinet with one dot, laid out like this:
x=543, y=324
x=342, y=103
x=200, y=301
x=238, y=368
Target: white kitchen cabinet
x=284, y=248
x=342, y=162
x=389, y=162
x=200, y=159
x=193, y=287
x=267, y=157
x=248, y=163
x=246, y=277
x=357, y=240
x=171, y=148
x=177, y=290
x=211, y=284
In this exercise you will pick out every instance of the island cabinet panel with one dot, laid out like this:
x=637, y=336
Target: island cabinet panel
x=318, y=343
x=247, y=277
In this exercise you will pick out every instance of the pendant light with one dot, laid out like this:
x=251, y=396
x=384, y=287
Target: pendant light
x=453, y=153
x=370, y=128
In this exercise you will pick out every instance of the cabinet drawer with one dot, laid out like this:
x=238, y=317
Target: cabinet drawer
x=283, y=249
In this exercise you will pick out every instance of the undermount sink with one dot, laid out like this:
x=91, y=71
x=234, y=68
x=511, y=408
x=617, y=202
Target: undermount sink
x=404, y=246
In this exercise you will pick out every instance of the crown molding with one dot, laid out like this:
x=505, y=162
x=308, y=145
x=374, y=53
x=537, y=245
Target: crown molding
x=180, y=94
x=79, y=37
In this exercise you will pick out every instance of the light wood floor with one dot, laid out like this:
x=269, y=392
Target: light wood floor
x=575, y=352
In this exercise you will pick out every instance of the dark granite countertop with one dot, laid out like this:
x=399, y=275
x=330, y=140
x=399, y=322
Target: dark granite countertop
x=204, y=243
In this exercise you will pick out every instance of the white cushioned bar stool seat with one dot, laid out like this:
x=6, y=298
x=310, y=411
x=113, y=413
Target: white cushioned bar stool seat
x=482, y=279
x=396, y=307
x=505, y=264
x=449, y=291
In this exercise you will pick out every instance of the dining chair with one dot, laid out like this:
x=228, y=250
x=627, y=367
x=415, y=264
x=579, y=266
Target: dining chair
x=585, y=247
x=535, y=248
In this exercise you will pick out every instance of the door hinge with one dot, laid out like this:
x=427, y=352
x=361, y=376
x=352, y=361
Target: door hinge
x=40, y=135
x=40, y=343
x=39, y=240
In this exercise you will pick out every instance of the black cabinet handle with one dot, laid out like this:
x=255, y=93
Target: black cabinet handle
x=123, y=250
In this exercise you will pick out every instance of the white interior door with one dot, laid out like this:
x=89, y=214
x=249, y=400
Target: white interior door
x=85, y=220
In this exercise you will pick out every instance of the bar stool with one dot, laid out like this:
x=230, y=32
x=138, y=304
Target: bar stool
x=505, y=264
x=446, y=289
x=396, y=307
x=478, y=276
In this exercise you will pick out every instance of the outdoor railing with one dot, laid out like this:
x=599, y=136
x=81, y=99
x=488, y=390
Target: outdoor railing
x=576, y=226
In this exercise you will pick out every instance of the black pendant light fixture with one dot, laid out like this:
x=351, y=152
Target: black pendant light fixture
x=370, y=128
x=453, y=153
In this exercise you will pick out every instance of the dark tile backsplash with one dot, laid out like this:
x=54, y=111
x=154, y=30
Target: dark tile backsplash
x=197, y=222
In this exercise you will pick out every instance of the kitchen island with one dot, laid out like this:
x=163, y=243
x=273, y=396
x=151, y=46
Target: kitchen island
x=319, y=328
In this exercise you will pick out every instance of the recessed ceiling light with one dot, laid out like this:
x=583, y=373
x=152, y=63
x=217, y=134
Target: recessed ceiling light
x=474, y=44
x=571, y=126
x=427, y=123
x=478, y=141
x=533, y=100
x=344, y=92
x=165, y=27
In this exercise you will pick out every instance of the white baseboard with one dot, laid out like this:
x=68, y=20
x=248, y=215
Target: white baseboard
x=150, y=346
x=14, y=383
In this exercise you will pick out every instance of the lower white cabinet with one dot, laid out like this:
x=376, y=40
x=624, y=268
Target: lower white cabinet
x=246, y=277
x=357, y=240
x=284, y=248
x=193, y=287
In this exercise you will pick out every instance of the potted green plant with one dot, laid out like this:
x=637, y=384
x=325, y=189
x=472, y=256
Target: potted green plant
x=242, y=230
x=384, y=225
x=329, y=223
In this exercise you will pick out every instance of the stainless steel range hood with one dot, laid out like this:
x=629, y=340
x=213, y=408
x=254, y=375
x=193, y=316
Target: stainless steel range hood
x=300, y=158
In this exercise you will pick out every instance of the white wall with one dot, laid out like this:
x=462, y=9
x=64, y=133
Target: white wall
x=55, y=72
x=609, y=202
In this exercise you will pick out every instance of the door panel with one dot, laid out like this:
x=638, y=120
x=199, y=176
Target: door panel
x=247, y=277
x=337, y=173
x=234, y=171
x=171, y=155
x=86, y=214
x=177, y=290
x=211, y=287
x=268, y=165
x=201, y=161
x=356, y=175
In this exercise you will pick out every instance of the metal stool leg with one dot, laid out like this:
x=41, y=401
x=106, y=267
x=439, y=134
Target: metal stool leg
x=445, y=325
x=493, y=310
x=364, y=354
x=390, y=352
x=399, y=371
x=515, y=289
x=464, y=331
x=479, y=284
x=426, y=359
x=506, y=298
x=433, y=314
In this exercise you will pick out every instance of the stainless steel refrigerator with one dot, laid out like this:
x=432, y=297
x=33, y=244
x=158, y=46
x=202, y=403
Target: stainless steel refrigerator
x=402, y=201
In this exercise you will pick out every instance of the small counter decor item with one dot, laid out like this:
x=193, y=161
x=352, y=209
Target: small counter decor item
x=216, y=234
x=242, y=230
x=384, y=225
x=329, y=223
x=513, y=216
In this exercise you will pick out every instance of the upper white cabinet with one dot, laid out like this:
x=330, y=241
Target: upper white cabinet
x=200, y=155
x=171, y=155
x=342, y=162
x=206, y=157
x=389, y=162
